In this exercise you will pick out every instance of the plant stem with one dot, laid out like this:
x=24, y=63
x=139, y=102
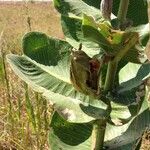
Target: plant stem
x=112, y=65
x=110, y=76
x=122, y=12
x=98, y=134
x=99, y=125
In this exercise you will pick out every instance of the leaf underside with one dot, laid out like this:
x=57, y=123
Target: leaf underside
x=45, y=67
x=64, y=135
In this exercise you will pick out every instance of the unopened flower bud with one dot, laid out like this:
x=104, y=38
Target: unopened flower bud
x=106, y=8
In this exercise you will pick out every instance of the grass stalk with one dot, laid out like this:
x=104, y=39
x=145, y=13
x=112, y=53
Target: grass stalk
x=10, y=109
x=19, y=108
x=28, y=17
x=29, y=108
x=38, y=118
x=46, y=122
x=5, y=74
x=38, y=111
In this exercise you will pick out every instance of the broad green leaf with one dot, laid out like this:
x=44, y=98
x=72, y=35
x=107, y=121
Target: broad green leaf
x=128, y=97
x=96, y=32
x=74, y=36
x=72, y=105
x=110, y=40
x=48, y=72
x=138, y=17
x=125, y=137
x=71, y=7
x=44, y=50
x=122, y=113
x=132, y=86
x=132, y=75
x=65, y=135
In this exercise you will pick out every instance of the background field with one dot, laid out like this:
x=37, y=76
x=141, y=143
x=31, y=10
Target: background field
x=25, y=115
x=24, y=122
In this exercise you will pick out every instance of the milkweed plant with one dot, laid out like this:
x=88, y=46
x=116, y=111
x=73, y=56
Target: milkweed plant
x=95, y=78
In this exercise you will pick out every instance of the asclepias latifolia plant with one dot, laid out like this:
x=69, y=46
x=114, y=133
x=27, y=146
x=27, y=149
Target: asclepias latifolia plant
x=95, y=78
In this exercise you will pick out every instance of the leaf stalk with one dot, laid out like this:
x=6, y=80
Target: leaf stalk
x=110, y=76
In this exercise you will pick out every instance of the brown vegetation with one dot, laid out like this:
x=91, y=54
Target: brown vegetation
x=24, y=122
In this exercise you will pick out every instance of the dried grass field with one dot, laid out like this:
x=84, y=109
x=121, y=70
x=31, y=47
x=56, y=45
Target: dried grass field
x=24, y=114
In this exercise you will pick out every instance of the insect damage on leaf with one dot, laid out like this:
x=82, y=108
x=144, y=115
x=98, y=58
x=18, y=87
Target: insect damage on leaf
x=84, y=72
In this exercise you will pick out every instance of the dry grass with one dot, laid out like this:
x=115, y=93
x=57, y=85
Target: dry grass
x=24, y=122
x=13, y=20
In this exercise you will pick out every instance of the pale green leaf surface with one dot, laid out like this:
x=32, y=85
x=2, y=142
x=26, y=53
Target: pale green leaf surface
x=74, y=36
x=76, y=7
x=132, y=75
x=128, y=98
x=131, y=79
x=73, y=31
x=68, y=136
x=93, y=32
x=112, y=41
x=128, y=133
x=122, y=114
x=46, y=69
x=43, y=49
x=71, y=104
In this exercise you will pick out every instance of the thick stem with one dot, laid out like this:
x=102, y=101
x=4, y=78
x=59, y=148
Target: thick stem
x=99, y=125
x=98, y=134
x=110, y=76
x=122, y=12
